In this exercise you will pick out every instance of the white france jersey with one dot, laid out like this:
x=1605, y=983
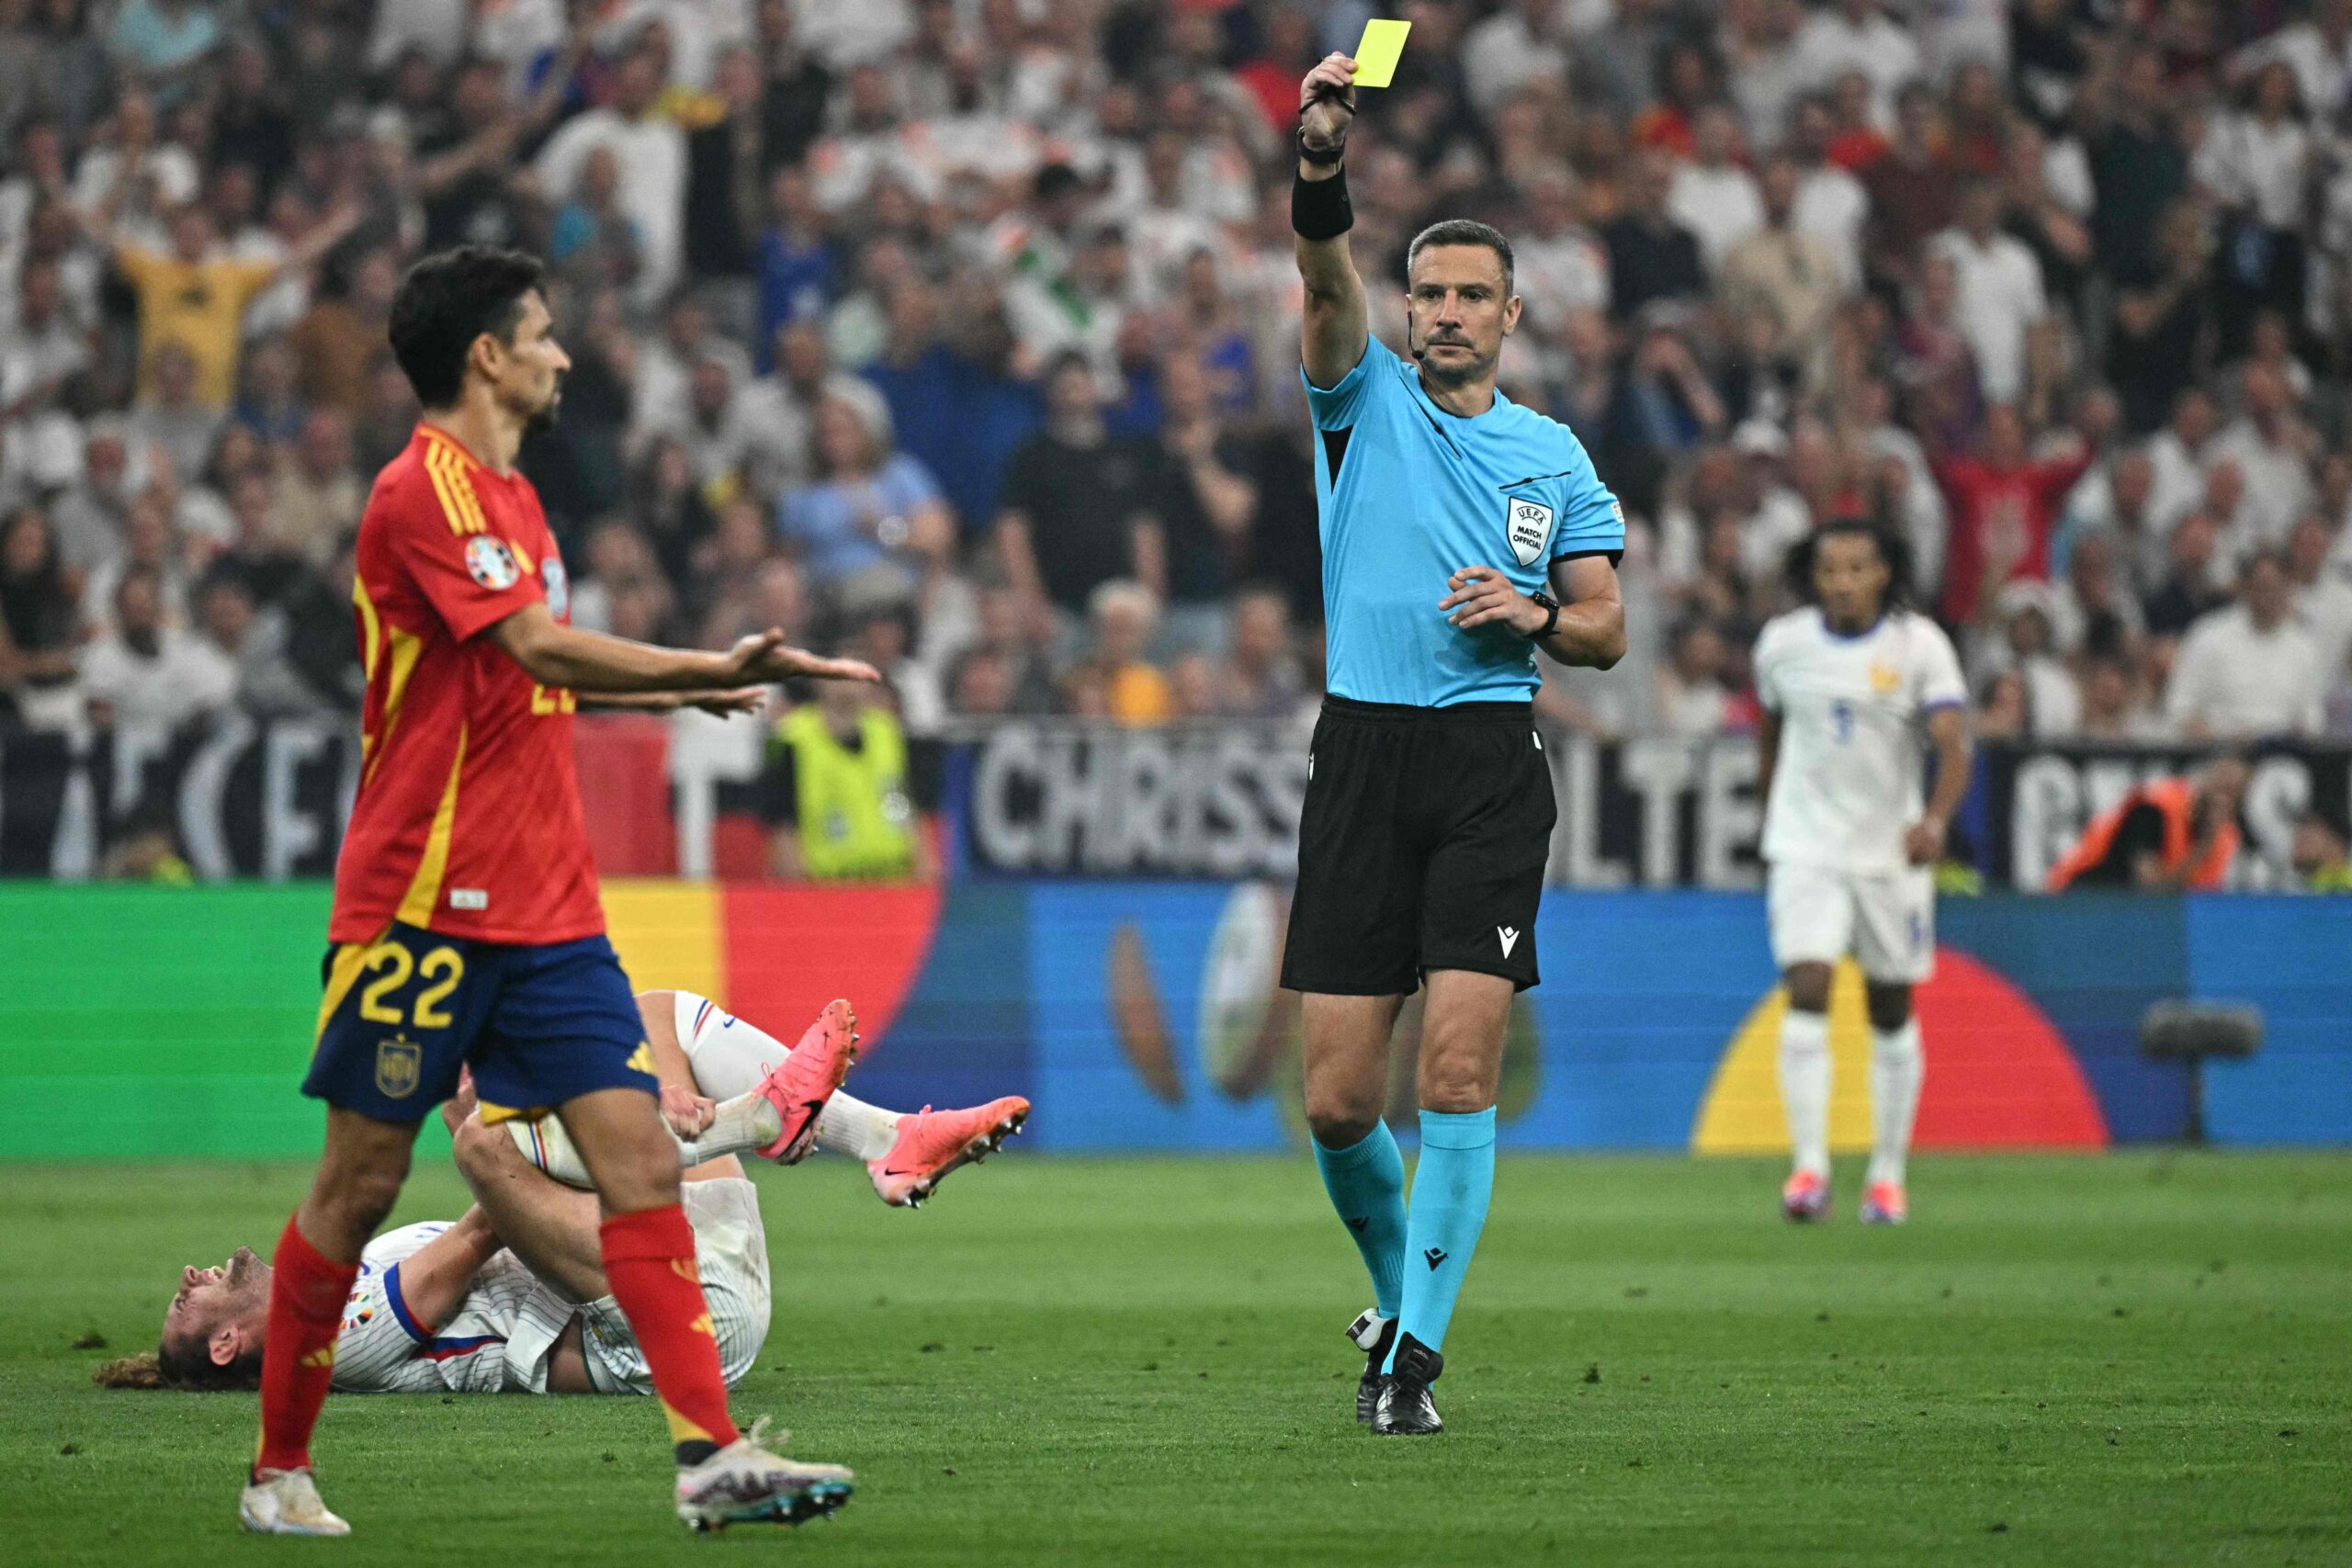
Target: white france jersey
x=383, y=1349
x=1853, y=712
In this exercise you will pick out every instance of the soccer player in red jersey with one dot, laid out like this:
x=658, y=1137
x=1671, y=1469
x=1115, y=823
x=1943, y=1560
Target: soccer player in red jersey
x=467, y=929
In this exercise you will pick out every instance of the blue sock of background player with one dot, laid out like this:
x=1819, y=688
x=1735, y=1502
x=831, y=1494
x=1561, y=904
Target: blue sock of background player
x=1366, y=1181
x=1451, y=1187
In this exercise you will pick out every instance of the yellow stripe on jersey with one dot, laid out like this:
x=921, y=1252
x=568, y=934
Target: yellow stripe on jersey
x=424, y=889
x=406, y=647
x=491, y=1115
x=370, y=628
x=349, y=959
x=455, y=486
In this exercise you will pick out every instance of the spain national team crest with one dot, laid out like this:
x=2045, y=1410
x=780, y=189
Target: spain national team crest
x=1529, y=523
x=490, y=562
x=398, y=1064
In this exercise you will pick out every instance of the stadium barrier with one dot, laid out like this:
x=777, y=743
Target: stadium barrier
x=142, y=1020
x=1061, y=798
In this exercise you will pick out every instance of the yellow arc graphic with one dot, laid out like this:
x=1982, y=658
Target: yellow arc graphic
x=1742, y=1113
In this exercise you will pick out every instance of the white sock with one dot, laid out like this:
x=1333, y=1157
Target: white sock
x=1804, y=1087
x=730, y=1057
x=1897, y=1069
x=738, y=1126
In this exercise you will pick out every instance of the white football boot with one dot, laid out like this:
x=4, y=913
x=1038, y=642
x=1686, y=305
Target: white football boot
x=286, y=1502
x=743, y=1481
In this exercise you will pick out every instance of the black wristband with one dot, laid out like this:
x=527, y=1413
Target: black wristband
x=1319, y=209
x=1321, y=157
x=1551, y=622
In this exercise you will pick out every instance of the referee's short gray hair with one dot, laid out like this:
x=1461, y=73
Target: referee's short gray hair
x=1464, y=231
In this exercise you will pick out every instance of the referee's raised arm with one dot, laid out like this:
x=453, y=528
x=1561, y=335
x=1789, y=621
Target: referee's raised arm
x=1337, y=324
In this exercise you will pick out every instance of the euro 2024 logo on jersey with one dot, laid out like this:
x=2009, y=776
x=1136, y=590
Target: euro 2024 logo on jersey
x=1528, y=526
x=490, y=563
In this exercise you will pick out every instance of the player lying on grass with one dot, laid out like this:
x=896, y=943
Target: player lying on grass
x=512, y=1297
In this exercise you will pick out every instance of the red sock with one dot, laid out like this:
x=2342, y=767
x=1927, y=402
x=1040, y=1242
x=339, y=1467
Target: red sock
x=650, y=1263
x=306, y=1295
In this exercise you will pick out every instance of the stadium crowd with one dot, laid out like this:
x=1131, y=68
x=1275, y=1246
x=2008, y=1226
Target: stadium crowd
x=962, y=334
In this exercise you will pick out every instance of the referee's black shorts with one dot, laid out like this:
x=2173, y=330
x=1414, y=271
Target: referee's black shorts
x=1420, y=847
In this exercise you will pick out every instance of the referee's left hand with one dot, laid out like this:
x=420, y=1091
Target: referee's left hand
x=1483, y=596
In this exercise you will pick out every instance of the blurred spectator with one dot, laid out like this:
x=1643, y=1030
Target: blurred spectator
x=2000, y=298
x=1074, y=515
x=1785, y=275
x=870, y=527
x=37, y=626
x=2272, y=450
x=2320, y=855
x=2191, y=585
x=2250, y=669
x=339, y=342
x=1692, y=698
x=2323, y=598
x=2003, y=505
x=2114, y=709
x=1125, y=616
x=837, y=794
x=147, y=674
x=192, y=299
x=1913, y=186
x=1857, y=35
x=318, y=495
x=1651, y=254
x=1259, y=677
x=1202, y=504
x=1711, y=194
x=647, y=146
x=2026, y=612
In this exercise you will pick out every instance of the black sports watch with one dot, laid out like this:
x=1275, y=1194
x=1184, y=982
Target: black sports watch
x=1551, y=615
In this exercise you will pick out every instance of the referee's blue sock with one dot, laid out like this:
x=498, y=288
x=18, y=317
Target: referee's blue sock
x=1366, y=1181
x=1451, y=1187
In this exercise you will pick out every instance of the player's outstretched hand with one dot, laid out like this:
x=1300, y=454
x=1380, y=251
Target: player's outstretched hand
x=1327, y=100
x=765, y=658
x=1483, y=596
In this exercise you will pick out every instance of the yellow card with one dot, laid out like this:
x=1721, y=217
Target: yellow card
x=1376, y=56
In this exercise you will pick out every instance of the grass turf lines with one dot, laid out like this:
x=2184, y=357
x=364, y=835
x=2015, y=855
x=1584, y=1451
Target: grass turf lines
x=2137, y=1359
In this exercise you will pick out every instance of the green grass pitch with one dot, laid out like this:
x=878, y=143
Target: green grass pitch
x=2138, y=1360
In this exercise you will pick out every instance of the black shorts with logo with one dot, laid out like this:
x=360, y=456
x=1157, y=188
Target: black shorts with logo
x=1420, y=847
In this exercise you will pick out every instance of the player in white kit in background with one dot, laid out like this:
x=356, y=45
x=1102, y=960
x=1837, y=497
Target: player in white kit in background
x=1852, y=686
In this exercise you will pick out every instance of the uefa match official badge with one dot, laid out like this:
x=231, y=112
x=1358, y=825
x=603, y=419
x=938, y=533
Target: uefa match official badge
x=490, y=563
x=1529, y=523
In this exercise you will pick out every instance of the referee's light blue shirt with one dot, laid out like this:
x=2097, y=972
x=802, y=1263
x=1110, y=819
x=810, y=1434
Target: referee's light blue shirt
x=1409, y=495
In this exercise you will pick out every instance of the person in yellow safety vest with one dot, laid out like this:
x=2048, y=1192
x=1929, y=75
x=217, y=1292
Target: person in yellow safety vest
x=2168, y=834
x=837, y=794
x=2320, y=856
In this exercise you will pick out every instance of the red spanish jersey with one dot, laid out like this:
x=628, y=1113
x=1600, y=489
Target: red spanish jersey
x=468, y=820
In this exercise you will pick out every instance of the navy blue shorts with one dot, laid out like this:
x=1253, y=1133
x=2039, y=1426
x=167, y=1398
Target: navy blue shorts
x=538, y=1025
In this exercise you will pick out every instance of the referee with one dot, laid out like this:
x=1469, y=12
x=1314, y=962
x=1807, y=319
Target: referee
x=1461, y=534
